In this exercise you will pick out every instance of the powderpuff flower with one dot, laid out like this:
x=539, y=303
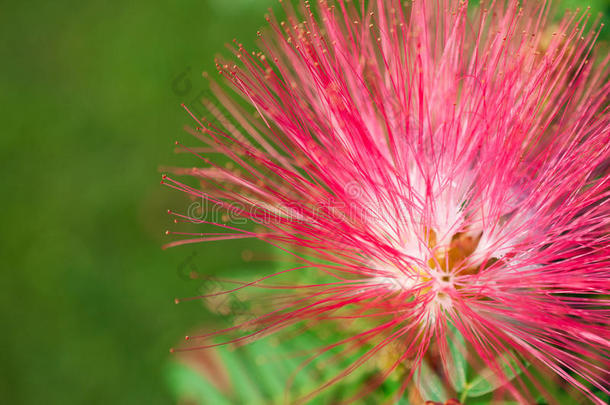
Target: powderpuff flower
x=443, y=168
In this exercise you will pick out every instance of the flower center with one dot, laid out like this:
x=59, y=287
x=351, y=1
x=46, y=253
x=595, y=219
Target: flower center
x=453, y=257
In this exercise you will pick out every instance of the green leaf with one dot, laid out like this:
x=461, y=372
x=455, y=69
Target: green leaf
x=188, y=384
x=430, y=386
x=243, y=384
x=265, y=367
x=487, y=381
x=260, y=370
x=458, y=366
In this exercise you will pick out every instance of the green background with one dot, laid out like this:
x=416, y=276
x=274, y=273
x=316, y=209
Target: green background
x=90, y=95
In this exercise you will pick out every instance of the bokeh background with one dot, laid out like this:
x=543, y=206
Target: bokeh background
x=90, y=97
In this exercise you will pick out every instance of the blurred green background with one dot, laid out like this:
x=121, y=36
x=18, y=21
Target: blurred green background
x=90, y=95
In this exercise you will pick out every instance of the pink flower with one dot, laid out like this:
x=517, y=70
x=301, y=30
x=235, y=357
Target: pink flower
x=436, y=166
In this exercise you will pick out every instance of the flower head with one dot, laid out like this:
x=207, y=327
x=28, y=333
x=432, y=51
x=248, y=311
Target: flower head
x=444, y=168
